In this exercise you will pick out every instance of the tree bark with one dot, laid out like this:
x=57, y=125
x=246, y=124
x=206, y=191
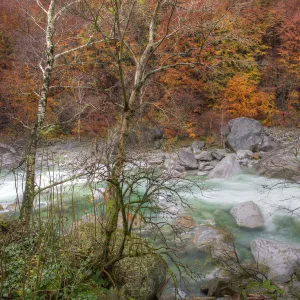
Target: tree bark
x=113, y=193
x=30, y=159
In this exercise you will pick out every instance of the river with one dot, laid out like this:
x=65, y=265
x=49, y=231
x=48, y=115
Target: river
x=275, y=199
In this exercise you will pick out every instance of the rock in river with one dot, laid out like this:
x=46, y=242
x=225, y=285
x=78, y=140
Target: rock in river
x=213, y=240
x=281, y=163
x=247, y=214
x=204, y=156
x=279, y=257
x=227, y=167
x=187, y=159
x=186, y=222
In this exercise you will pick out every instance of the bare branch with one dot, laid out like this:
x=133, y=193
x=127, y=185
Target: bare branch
x=41, y=6
x=58, y=14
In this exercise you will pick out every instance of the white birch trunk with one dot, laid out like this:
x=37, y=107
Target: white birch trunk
x=30, y=159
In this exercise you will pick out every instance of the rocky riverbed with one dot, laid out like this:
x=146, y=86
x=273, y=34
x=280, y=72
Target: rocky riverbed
x=232, y=198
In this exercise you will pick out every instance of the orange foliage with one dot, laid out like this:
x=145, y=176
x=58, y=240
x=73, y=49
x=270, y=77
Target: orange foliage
x=242, y=98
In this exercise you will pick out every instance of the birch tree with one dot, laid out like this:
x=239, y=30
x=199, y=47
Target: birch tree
x=48, y=59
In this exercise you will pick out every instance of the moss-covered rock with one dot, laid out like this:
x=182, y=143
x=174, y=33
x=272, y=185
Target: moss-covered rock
x=266, y=288
x=140, y=278
x=220, y=287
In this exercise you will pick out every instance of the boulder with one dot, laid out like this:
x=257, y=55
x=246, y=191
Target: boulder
x=213, y=240
x=204, y=156
x=140, y=277
x=281, y=163
x=186, y=222
x=248, y=134
x=220, y=287
x=187, y=160
x=171, y=163
x=202, y=173
x=203, y=165
x=247, y=215
x=244, y=154
x=227, y=167
x=197, y=146
x=219, y=153
x=279, y=257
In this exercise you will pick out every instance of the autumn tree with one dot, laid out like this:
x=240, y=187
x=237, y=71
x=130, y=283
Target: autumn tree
x=138, y=46
x=242, y=98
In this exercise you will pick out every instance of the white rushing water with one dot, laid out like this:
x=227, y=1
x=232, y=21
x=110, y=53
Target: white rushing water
x=274, y=197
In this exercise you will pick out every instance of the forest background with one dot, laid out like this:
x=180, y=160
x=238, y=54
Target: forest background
x=239, y=60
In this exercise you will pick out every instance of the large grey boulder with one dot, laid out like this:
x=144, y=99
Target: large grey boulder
x=204, y=156
x=227, y=167
x=187, y=159
x=213, y=240
x=171, y=163
x=281, y=163
x=248, y=134
x=140, y=277
x=219, y=153
x=279, y=257
x=247, y=214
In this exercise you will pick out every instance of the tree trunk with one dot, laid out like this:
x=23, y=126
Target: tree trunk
x=30, y=159
x=113, y=203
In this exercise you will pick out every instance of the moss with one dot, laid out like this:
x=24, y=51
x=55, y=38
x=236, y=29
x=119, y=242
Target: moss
x=264, y=288
x=140, y=277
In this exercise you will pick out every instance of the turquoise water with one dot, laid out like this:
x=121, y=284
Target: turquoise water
x=212, y=204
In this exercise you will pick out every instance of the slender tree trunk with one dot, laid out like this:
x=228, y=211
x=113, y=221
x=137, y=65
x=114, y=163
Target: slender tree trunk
x=113, y=194
x=29, y=193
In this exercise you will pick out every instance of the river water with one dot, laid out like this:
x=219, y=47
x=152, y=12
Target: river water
x=275, y=199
